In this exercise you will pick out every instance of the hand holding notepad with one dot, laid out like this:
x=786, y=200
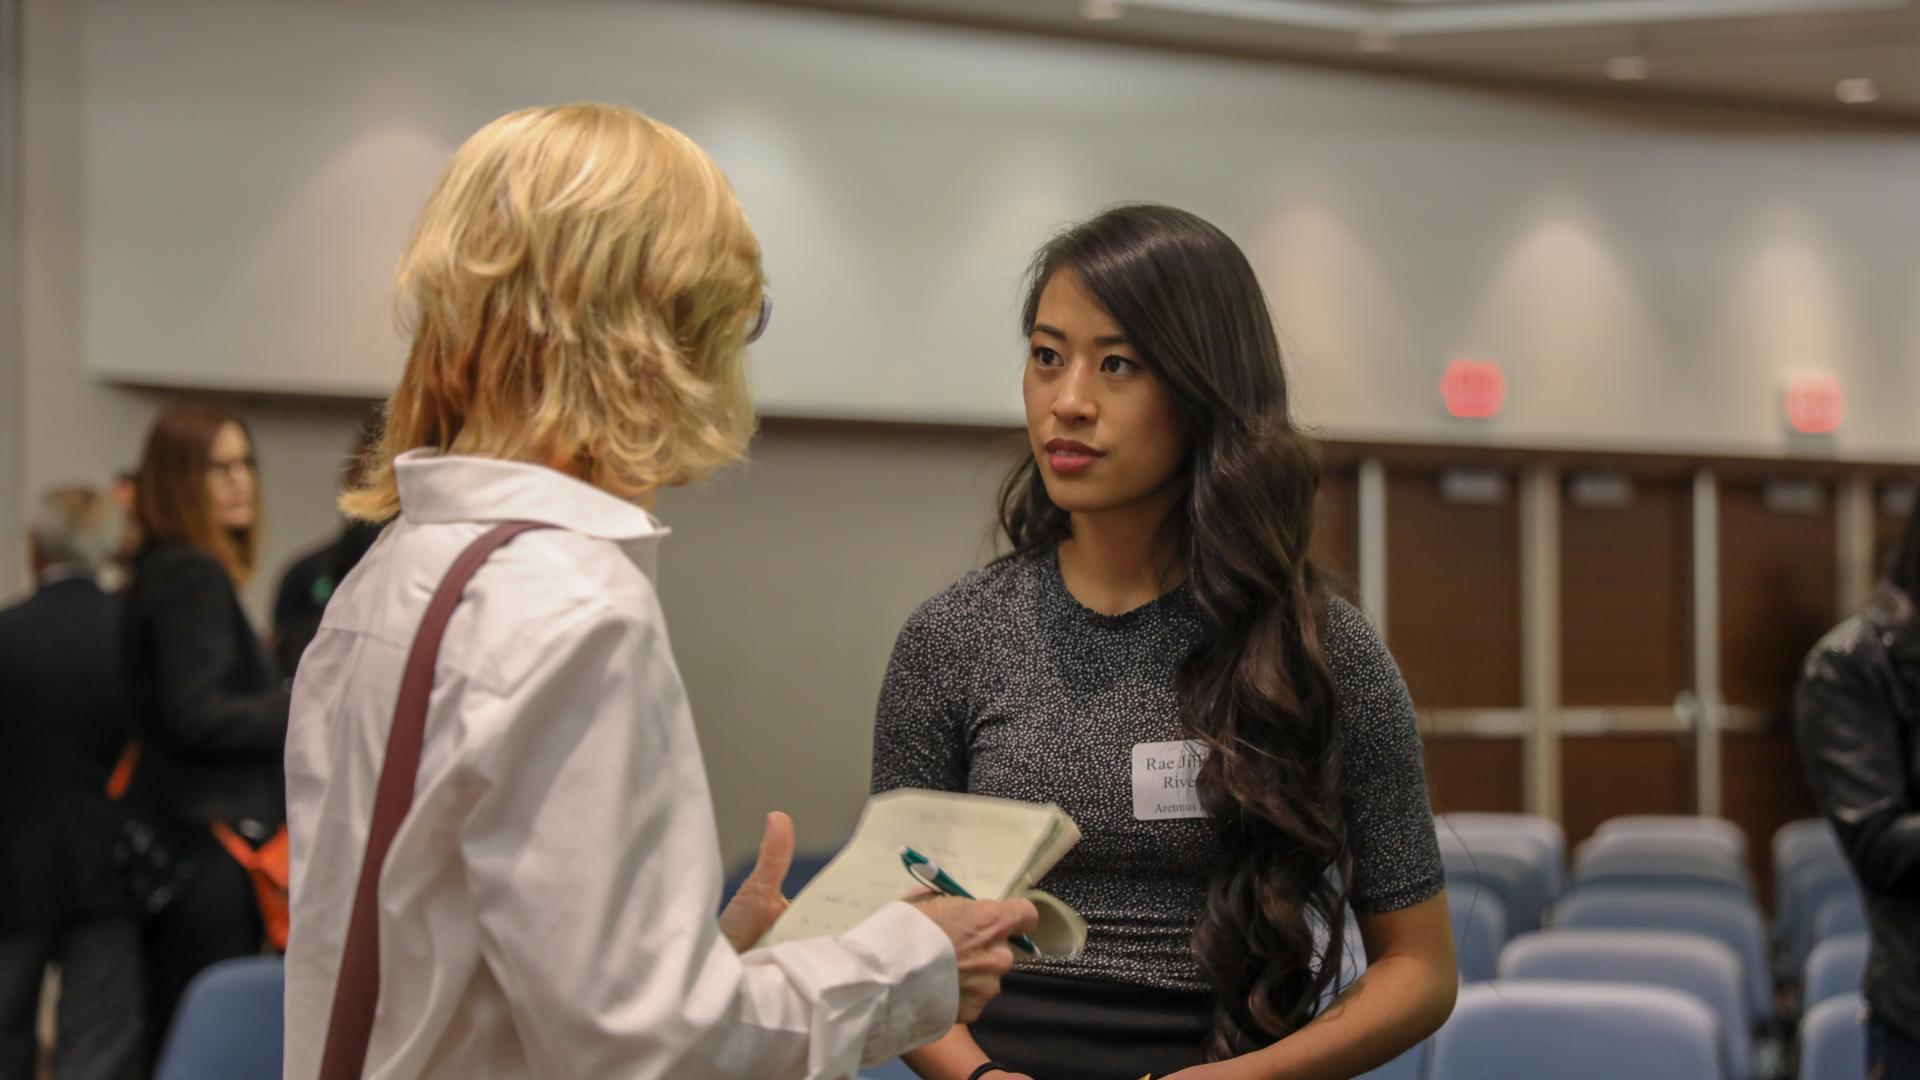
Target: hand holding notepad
x=998, y=847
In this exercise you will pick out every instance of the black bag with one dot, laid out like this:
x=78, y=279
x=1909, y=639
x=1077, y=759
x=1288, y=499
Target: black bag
x=146, y=851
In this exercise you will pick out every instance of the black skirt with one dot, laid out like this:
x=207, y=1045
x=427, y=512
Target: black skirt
x=1081, y=1029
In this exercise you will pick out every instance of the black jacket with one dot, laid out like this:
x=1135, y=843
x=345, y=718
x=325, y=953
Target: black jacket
x=63, y=724
x=308, y=585
x=1857, y=716
x=210, y=710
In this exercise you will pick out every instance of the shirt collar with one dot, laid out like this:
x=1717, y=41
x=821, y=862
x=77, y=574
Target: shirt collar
x=60, y=573
x=444, y=488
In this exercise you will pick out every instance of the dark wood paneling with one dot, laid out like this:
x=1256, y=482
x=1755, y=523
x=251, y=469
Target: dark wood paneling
x=1778, y=593
x=1471, y=773
x=1886, y=533
x=1675, y=466
x=1335, y=547
x=1762, y=788
x=1626, y=597
x=1453, y=594
x=1605, y=776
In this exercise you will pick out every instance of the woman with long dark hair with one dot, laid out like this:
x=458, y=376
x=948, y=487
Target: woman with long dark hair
x=1157, y=656
x=210, y=710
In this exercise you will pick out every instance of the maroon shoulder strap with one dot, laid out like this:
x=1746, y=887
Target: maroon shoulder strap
x=357, y=993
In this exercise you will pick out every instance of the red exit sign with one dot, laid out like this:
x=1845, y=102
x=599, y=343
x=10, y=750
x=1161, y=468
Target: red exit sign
x=1473, y=389
x=1815, y=403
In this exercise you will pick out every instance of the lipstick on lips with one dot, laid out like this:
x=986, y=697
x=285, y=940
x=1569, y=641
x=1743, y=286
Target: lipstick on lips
x=1069, y=458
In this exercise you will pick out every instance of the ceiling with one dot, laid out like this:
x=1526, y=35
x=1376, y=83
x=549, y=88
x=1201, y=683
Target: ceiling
x=1778, y=53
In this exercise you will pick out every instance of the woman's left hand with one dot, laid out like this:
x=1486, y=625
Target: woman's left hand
x=752, y=911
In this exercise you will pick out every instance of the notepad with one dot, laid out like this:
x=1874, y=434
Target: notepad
x=997, y=848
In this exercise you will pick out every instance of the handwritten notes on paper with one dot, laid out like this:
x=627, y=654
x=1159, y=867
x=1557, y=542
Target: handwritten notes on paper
x=996, y=848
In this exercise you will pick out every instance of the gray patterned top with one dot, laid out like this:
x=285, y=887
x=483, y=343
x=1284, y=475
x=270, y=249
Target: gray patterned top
x=1005, y=685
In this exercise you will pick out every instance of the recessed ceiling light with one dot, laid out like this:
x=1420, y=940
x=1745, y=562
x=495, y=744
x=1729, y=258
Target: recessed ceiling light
x=1102, y=10
x=1374, y=41
x=1856, y=91
x=1629, y=68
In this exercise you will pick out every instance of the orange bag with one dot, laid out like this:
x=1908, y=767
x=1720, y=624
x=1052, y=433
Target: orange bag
x=270, y=867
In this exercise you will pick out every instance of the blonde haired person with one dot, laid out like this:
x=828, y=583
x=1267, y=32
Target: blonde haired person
x=582, y=284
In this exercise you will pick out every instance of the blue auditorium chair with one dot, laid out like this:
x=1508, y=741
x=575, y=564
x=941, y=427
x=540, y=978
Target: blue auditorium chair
x=1690, y=963
x=230, y=1025
x=1812, y=887
x=1724, y=832
x=1840, y=915
x=1731, y=920
x=1810, y=876
x=1835, y=968
x=1576, y=1031
x=1833, y=1040
x=1547, y=836
x=1509, y=867
x=1802, y=840
x=1683, y=862
x=1479, y=930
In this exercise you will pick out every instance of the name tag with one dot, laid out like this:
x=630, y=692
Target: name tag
x=1163, y=780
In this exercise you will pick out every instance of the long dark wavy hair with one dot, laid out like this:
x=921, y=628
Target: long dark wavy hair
x=1256, y=691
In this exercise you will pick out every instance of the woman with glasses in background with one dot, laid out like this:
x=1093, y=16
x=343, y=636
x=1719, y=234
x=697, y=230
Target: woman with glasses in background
x=210, y=711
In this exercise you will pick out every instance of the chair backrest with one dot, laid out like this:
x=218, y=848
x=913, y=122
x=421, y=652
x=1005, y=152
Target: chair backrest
x=230, y=1025
x=1799, y=840
x=1576, y=1031
x=1733, y=836
x=1691, y=963
x=1546, y=835
x=1711, y=846
x=1792, y=881
x=1833, y=1040
x=1731, y=920
x=1813, y=885
x=1511, y=867
x=1835, y=968
x=1839, y=915
x=1479, y=930
x=1674, y=862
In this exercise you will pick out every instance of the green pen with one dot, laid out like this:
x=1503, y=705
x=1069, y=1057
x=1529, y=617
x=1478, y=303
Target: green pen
x=928, y=873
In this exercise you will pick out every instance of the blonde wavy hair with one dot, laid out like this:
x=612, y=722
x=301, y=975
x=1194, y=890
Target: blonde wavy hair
x=577, y=293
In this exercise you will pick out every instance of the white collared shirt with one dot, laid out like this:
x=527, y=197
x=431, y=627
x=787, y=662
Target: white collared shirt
x=547, y=908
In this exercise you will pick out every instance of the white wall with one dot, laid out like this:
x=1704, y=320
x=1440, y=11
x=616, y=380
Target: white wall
x=74, y=428
x=1644, y=274
x=785, y=585
x=12, y=547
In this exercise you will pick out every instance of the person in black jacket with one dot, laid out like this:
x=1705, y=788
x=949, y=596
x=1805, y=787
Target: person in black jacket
x=209, y=709
x=309, y=583
x=63, y=725
x=1857, y=717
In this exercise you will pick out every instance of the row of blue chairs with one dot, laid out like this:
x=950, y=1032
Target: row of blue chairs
x=1528, y=1023
x=1683, y=875
x=1605, y=1031
x=1518, y=859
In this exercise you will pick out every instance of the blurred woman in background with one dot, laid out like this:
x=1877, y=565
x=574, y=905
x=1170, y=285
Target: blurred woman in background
x=210, y=713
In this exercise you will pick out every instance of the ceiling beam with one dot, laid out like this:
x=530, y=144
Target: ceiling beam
x=1497, y=15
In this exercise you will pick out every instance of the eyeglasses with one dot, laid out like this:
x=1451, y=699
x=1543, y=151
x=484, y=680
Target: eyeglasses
x=232, y=470
x=761, y=318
